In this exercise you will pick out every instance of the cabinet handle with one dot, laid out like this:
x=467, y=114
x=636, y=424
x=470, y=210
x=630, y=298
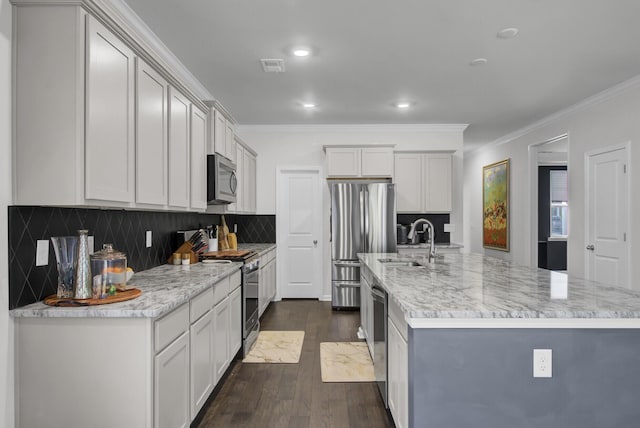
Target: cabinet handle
x=591, y=247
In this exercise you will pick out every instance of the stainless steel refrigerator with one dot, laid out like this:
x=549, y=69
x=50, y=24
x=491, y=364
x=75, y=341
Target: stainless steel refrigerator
x=363, y=220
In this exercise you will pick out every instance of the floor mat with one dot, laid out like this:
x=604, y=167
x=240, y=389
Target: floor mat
x=276, y=347
x=346, y=362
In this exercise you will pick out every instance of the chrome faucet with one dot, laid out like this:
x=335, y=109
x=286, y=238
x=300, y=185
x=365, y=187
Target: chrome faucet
x=432, y=246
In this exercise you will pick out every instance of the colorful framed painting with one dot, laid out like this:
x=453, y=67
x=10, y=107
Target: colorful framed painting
x=495, y=206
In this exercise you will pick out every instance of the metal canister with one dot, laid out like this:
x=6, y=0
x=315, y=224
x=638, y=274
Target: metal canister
x=82, y=284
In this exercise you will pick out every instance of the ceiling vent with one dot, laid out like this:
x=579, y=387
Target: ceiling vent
x=272, y=65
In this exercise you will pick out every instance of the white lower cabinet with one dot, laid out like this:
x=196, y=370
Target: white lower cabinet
x=266, y=280
x=398, y=376
x=167, y=367
x=202, y=348
x=171, y=385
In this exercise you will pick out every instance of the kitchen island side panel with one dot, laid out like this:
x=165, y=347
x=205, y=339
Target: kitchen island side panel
x=484, y=378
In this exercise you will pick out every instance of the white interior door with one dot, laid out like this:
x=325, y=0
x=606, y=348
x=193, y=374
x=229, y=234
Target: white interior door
x=607, y=258
x=299, y=231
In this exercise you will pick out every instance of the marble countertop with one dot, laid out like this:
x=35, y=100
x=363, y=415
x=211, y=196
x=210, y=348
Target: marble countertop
x=474, y=287
x=259, y=248
x=163, y=289
x=451, y=245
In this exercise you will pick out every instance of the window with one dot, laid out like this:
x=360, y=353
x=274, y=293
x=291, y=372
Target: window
x=559, y=203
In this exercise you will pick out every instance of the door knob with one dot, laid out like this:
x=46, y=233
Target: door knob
x=591, y=247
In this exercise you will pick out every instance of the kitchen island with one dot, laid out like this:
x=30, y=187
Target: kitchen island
x=470, y=324
x=148, y=362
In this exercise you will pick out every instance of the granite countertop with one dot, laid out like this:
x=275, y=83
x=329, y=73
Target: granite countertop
x=163, y=289
x=477, y=287
x=259, y=248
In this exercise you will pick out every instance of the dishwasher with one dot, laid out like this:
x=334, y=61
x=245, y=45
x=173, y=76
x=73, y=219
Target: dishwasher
x=380, y=340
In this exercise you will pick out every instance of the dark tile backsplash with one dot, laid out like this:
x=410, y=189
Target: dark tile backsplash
x=124, y=229
x=438, y=220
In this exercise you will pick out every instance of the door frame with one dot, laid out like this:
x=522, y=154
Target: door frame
x=587, y=200
x=533, y=195
x=280, y=238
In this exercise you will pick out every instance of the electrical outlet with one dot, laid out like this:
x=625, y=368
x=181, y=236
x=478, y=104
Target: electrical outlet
x=542, y=363
x=42, y=253
x=449, y=227
x=149, y=239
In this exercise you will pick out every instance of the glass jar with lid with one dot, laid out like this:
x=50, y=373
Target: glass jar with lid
x=109, y=268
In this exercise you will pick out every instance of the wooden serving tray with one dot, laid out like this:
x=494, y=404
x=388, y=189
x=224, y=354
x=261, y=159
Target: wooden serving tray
x=224, y=254
x=120, y=296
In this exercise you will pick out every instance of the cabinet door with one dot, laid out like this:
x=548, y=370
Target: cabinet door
x=202, y=362
x=221, y=337
x=109, y=144
x=398, y=377
x=377, y=162
x=171, y=385
x=151, y=136
x=219, y=133
x=436, y=170
x=198, y=159
x=249, y=182
x=178, y=149
x=343, y=162
x=229, y=141
x=408, y=181
x=235, y=322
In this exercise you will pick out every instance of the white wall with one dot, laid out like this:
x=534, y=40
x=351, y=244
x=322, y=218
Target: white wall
x=6, y=324
x=280, y=146
x=606, y=119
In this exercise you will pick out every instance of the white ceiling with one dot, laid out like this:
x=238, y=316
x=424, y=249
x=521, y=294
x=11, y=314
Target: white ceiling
x=369, y=54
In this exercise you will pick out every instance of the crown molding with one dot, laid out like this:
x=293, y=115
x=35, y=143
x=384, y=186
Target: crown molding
x=454, y=127
x=591, y=101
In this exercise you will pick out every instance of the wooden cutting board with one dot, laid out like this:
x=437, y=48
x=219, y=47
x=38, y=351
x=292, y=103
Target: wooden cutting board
x=120, y=296
x=225, y=254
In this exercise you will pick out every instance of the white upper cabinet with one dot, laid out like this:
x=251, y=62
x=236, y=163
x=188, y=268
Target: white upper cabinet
x=423, y=182
x=219, y=133
x=249, y=182
x=198, y=159
x=95, y=123
x=346, y=162
x=151, y=136
x=179, y=185
x=229, y=141
x=109, y=128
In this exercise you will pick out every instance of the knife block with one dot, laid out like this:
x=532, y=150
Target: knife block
x=185, y=248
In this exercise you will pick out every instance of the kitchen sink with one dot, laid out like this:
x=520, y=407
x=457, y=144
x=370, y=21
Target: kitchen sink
x=398, y=262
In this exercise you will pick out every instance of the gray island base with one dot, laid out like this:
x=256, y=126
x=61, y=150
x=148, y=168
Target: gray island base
x=471, y=324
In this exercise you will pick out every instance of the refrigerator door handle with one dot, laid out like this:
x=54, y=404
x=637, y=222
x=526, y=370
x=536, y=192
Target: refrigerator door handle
x=351, y=264
x=347, y=284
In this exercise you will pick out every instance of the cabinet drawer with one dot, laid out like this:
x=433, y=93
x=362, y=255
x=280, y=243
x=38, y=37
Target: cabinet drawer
x=235, y=280
x=220, y=290
x=201, y=304
x=171, y=326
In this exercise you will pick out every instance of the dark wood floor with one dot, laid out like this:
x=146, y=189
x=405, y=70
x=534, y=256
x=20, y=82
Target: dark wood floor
x=293, y=395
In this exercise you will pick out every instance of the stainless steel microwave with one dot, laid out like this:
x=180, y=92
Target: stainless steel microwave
x=221, y=180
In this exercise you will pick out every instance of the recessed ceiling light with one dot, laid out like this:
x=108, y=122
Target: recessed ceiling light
x=403, y=105
x=508, y=33
x=302, y=52
x=308, y=105
x=478, y=61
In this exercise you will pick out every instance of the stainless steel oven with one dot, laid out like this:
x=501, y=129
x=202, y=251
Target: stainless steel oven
x=250, y=291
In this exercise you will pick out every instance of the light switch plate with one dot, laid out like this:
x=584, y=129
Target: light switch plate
x=542, y=359
x=149, y=239
x=42, y=253
x=449, y=227
x=91, y=242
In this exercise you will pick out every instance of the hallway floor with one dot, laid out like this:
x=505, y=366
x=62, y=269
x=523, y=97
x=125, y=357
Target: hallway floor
x=293, y=395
